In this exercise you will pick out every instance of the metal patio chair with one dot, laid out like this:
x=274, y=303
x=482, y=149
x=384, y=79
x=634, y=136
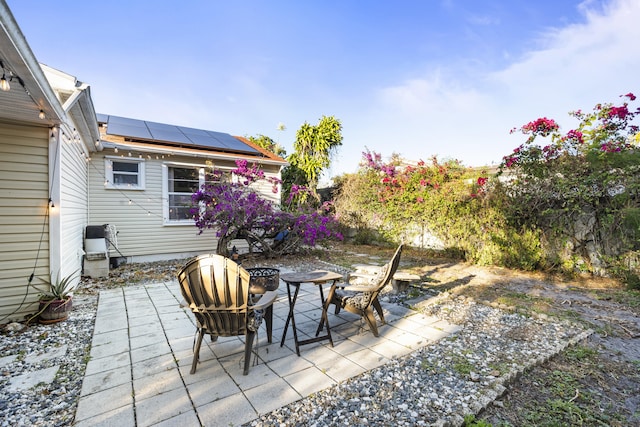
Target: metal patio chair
x=216, y=290
x=360, y=294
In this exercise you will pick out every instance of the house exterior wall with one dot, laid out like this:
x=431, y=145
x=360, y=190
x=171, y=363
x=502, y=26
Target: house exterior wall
x=73, y=203
x=24, y=228
x=139, y=215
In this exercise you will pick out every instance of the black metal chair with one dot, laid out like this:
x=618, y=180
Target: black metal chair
x=216, y=290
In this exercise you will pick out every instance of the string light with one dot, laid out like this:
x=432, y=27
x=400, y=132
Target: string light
x=4, y=83
x=5, y=86
x=41, y=115
x=130, y=201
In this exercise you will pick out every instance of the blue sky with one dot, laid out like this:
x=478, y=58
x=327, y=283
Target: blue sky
x=413, y=77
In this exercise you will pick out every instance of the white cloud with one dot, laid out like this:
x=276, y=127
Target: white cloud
x=469, y=117
x=591, y=60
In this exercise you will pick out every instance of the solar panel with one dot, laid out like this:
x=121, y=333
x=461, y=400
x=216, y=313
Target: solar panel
x=179, y=135
x=229, y=141
x=128, y=127
x=168, y=133
x=199, y=137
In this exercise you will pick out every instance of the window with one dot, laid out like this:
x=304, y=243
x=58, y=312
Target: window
x=122, y=173
x=181, y=183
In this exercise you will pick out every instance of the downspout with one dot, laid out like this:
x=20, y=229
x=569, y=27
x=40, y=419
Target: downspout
x=55, y=224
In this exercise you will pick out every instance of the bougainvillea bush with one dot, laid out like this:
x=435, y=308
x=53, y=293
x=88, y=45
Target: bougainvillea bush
x=580, y=189
x=562, y=200
x=444, y=200
x=235, y=210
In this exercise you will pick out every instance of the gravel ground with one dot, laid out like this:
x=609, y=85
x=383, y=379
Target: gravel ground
x=436, y=385
x=68, y=344
x=439, y=384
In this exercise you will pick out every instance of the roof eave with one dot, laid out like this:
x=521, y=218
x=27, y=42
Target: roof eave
x=18, y=55
x=188, y=152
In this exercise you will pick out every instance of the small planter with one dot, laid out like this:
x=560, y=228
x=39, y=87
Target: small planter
x=263, y=279
x=53, y=311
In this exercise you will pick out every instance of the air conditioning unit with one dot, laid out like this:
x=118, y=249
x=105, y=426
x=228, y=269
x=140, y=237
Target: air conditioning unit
x=96, y=258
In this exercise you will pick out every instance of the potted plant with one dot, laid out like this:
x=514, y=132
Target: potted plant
x=55, y=298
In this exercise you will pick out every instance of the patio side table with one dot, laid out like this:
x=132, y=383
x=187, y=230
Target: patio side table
x=318, y=278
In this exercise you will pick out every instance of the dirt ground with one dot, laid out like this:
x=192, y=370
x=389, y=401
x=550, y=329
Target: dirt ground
x=595, y=383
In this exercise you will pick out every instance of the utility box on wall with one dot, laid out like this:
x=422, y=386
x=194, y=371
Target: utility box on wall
x=96, y=258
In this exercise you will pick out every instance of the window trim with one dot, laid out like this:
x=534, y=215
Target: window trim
x=108, y=168
x=165, y=189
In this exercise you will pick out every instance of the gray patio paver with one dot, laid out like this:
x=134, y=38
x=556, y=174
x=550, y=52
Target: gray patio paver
x=144, y=329
x=152, y=385
x=181, y=343
x=162, y=407
x=105, y=380
x=341, y=368
x=111, y=348
x=104, y=401
x=261, y=397
x=186, y=419
x=212, y=388
x=153, y=366
x=30, y=379
x=110, y=323
x=259, y=374
x=367, y=358
x=288, y=365
x=107, y=363
x=233, y=410
x=110, y=337
x=146, y=325
x=210, y=368
x=390, y=349
x=122, y=416
x=160, y=348
x=309, y=381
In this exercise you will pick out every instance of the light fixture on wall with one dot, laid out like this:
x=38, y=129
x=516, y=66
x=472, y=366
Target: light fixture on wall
x=4, y=83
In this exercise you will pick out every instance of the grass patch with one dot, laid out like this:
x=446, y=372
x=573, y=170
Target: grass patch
x=462, y=365
x=571, y=390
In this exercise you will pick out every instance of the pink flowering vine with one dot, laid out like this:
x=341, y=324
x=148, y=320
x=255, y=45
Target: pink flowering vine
x=606, y=130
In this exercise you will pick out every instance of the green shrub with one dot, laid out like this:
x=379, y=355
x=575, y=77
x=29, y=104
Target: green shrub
x=572, y=205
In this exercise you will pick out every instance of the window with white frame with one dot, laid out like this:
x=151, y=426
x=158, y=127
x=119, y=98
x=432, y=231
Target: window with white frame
x=124, y=173
x=180, y=184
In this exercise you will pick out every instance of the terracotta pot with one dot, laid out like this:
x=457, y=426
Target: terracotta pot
x=52, y=311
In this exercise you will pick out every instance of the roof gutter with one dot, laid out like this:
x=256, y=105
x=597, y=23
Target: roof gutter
x=189, y=153
x=80, y=108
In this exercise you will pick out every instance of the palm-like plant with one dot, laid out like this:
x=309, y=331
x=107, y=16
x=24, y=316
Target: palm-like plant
x=58, y=288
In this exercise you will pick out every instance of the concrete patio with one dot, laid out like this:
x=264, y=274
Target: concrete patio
x=141, y=356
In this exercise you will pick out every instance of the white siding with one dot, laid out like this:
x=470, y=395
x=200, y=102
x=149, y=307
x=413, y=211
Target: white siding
x=73, y=204
x=24, y=195
x=266, y=187
x=138, y=214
